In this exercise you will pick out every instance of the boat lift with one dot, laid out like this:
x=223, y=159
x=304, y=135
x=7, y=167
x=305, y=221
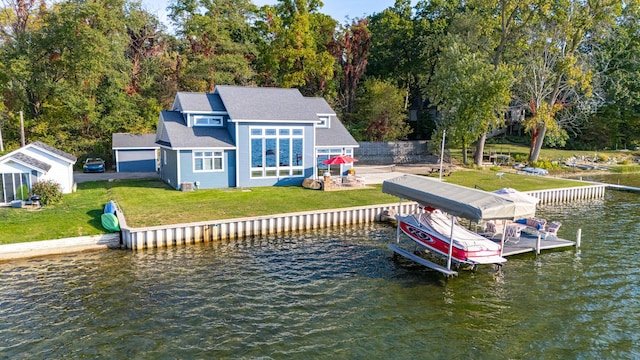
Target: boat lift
x=455, y=200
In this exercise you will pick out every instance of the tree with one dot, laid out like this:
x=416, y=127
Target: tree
x=379, y=114
x=471, y=94
x=294, y=50
x=557, y=76
x=352, y=54
x=218, y=42
x=617, y=123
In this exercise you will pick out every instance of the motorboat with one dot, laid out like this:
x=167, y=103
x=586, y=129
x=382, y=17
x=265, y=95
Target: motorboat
x=435, y=227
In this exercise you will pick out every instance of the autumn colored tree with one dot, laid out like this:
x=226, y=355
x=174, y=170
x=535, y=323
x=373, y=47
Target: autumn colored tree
x=352, y=52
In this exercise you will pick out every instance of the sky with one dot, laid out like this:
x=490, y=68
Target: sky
x=337, y=9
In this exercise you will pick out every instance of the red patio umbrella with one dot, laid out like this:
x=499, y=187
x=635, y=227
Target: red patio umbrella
x=339, y=159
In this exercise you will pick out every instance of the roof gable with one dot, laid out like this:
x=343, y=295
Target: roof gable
x=174, y=133
x=192, y=102
x=26, y=160
x=266, y=104
x=53, y=151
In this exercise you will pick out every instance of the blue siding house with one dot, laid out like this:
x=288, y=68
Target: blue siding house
x=248, y=136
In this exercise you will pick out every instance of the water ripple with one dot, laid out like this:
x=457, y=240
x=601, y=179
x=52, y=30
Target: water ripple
x=332, y=293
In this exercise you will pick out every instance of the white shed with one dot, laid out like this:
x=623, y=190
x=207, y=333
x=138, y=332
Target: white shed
x=23, y=167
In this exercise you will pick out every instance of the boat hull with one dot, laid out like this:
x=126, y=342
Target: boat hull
x=439, y=244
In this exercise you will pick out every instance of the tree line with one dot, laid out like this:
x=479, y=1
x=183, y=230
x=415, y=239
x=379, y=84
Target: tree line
x=564, y=72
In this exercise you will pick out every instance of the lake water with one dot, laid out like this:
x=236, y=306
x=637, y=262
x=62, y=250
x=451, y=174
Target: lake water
x=333, y=294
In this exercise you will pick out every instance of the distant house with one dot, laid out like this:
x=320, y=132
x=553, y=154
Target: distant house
x=248, y=136
x=135, y=152
x=22, y=168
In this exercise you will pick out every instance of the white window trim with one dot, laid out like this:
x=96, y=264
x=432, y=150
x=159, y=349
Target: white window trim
x=277, y=137
x=323, y=121
x=213, y=157
x=219, y=120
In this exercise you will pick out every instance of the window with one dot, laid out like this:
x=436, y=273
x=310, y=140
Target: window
x=207, y=161
x=207, y=120
x=276, y=151
x=324, y=154
x=323, y=122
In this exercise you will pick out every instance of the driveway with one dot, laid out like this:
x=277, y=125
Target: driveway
x=80, y=177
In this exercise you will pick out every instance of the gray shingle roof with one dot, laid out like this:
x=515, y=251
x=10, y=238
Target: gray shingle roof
x=53, y=150
x=270, y=104
x=26, y=159
x=336, y=135
x=124, y=140
x=173, y=132
x=319, y=106
x=198, y=102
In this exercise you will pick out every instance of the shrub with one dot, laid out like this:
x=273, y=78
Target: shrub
x=50, y=192
x=546, y=164
x=24, y=193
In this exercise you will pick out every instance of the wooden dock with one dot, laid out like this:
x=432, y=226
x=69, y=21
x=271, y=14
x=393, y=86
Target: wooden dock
x=528, y=243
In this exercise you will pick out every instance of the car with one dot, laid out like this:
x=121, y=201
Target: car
x=93, y=165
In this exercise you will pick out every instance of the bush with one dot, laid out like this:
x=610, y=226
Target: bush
x=50, y=192
x=546, y=164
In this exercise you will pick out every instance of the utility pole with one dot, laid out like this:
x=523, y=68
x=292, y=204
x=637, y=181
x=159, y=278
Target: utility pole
x=21, y=129
x=1, y=143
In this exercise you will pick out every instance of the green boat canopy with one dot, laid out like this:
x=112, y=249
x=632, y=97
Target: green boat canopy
x=457, y=200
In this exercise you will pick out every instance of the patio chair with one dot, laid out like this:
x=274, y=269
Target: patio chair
x=552, y=230
x=513, y=233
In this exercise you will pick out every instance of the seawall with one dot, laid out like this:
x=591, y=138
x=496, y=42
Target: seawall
x=197, y=232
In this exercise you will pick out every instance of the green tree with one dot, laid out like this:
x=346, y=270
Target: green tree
x=218, y=42
x=617, y=123
x=557, y=75
x=471, y=95
x=379, y=114
x=294, y=49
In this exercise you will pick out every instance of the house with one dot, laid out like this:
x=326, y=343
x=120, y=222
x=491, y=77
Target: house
x=135, y=152
x=37, y=161
x=248, y=136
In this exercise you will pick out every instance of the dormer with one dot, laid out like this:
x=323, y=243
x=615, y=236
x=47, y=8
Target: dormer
x=324, y=121
x=200, y=109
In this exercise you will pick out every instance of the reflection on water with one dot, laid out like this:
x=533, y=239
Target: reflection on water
x=333, y=293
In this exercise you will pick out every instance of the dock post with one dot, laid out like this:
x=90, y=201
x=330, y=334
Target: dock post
x=538, y=245
x=578, y=238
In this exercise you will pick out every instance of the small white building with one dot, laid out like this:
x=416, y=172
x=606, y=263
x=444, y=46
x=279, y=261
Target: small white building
x=22, y=168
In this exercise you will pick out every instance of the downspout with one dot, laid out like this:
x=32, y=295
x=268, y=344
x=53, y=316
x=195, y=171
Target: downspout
x=178, y=170
x=238, y=157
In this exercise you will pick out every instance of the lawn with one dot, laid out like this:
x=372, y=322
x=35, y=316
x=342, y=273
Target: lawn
x=151, y=202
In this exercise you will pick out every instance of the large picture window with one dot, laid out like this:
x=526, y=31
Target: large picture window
x=276, y=151
x=207, y=161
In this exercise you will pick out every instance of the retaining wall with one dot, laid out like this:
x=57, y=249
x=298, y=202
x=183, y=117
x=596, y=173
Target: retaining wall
x=191, y=233
x=59, y=246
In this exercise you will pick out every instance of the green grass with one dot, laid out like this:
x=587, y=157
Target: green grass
x=152, y=202
x=78, y=215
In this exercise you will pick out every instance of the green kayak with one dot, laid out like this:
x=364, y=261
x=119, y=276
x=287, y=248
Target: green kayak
x=110, y=222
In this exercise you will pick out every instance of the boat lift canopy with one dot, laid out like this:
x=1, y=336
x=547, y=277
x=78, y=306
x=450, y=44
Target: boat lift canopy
x=457, y=200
